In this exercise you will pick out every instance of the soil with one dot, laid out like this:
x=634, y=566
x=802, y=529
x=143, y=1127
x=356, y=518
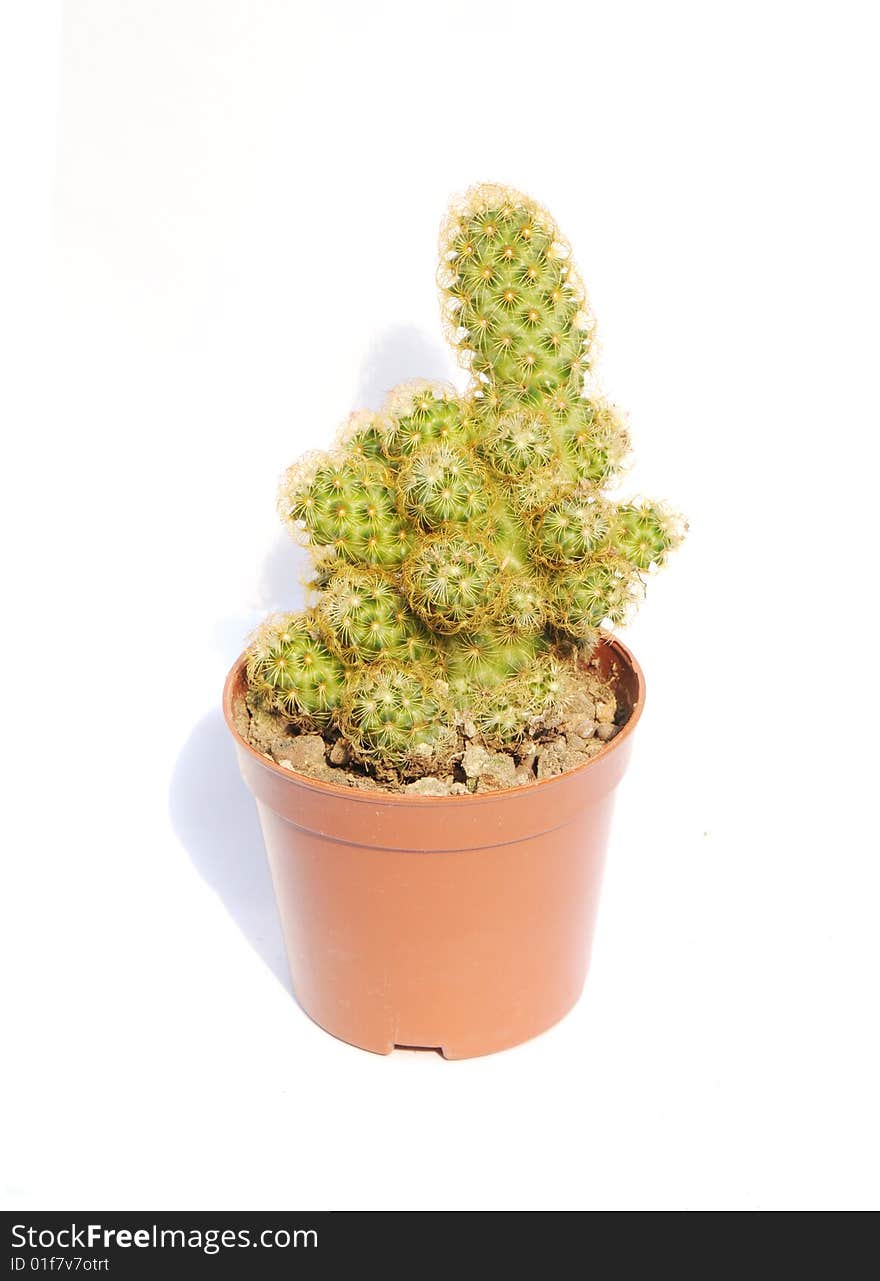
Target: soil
x=590, y=720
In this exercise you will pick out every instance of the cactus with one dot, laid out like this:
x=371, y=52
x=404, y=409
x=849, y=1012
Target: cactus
x=451, y=581
x=291, y=671
x=480, y=661
x=506, y=715
x=441, y=485
x=364, y=617
x=466, y=547
x=398, y=715
x=515, y=306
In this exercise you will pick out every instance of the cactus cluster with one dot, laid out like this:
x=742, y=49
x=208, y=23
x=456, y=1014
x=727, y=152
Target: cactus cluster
x=465, y=545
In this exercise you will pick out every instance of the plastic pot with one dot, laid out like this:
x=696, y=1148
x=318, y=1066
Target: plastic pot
x=461, y=923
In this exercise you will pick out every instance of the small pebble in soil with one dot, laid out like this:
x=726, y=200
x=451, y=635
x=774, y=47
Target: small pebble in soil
x=428, y=786
x=581, y=705
x=499, y=773
x=264, y=729
x=305, y=753
x=606, y=731
x=560, y=755
x=552, y=757
x=474, y=760
x=583, y=726
x=431, y=786
x=491, y=770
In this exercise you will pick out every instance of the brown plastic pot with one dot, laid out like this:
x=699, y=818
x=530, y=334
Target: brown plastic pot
x=460, y=923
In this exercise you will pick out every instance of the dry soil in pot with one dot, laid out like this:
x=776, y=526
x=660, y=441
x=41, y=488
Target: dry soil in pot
x=554, y=746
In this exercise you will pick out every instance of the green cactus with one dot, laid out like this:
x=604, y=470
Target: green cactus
x=479, y=661
x=402, y=716
x=582, y=599
x=595, y=442
x=441, y=485
x=419, y=413
x=466, y=546
x=366, y=619
x=515, y=306
x=347, y=503
x=571, y=529
x=520, y=443
x=290, y=670
x=451, y=581
x=644, y=533
x=505, y=717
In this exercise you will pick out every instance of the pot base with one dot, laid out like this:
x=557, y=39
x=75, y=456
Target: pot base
x=450, y=1052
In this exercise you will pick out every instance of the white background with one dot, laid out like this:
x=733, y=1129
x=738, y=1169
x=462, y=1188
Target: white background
x=219, y=224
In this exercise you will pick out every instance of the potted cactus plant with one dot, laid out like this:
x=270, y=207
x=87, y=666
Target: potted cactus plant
x=434, y=743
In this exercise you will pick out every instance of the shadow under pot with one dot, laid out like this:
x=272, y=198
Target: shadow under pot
x=457, y=923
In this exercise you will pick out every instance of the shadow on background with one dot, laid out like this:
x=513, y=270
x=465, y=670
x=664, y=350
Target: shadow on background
x=286, y=569
x=215, y=818
x=212, y=811
x=398, y=355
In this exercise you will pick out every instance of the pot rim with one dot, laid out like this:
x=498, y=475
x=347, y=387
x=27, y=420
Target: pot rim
x=410, y=798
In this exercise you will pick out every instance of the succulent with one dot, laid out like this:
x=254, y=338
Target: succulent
x=292, y=671
x=394, y=713
x=463, y=541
